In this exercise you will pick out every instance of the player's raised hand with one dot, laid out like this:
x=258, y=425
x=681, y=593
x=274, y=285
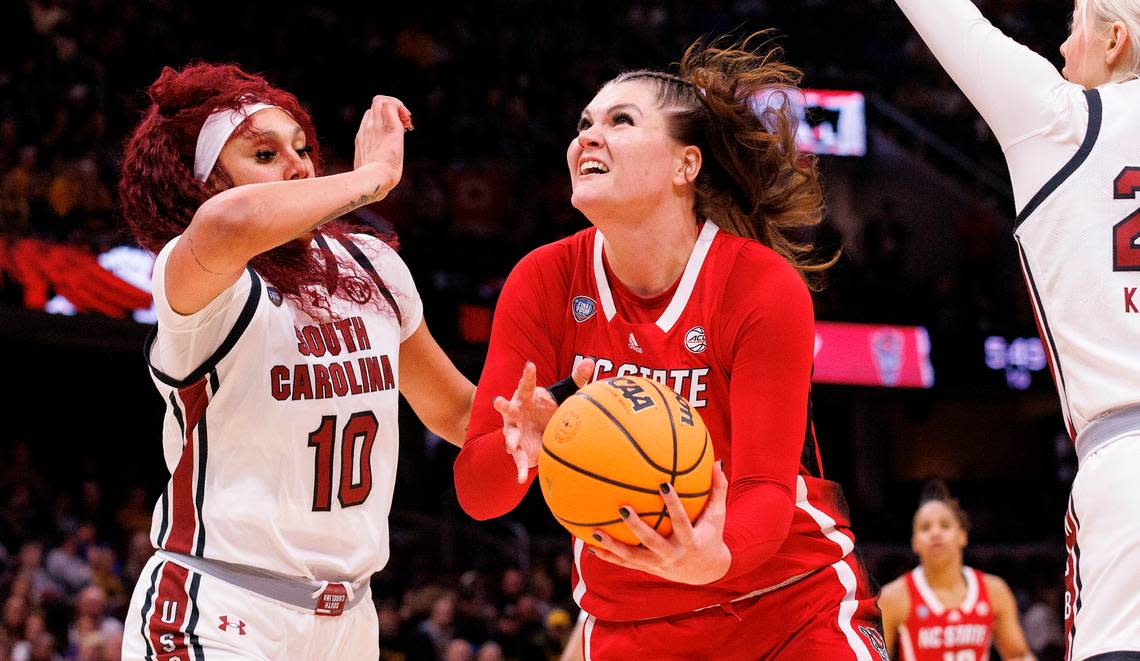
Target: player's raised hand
x=380, y=138
x=694, y=554
x=528, y=411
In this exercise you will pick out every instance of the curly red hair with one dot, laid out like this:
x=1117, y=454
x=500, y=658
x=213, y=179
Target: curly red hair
x=159, y=194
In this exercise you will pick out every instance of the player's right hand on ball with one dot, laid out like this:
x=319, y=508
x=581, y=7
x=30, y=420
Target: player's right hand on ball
x=528, y=411
x=380, y=138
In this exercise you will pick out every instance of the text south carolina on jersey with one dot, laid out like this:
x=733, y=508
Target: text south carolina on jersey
x=353, y=375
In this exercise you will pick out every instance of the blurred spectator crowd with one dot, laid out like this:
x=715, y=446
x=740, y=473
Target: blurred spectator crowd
x=495, y=89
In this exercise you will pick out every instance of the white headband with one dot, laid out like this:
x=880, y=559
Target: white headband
x=216, y=130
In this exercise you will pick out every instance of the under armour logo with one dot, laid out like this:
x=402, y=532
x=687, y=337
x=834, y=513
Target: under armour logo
x=226, y=624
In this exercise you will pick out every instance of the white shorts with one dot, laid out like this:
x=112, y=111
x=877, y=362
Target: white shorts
x=1102, y=533
x=178, y=614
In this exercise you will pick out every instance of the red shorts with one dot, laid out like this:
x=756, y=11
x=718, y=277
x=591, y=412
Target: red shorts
x=830, y=614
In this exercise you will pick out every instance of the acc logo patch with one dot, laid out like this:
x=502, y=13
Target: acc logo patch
x=274, y=295
x=583, y=308
x=876, y=639
x=922, y=612
x=695, y=339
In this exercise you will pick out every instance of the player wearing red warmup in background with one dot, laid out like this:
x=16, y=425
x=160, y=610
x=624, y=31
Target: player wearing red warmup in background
x=943, y=610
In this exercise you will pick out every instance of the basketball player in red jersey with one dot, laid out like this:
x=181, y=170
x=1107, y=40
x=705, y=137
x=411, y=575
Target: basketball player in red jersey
x=943, y=610
x=283, y=343
x=687, y=277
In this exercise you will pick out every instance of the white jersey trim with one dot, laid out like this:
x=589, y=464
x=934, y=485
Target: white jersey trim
x=580, y=589
x=932, y=601
x=684, y=289
x=904, y=644
x=843, y=571
x=825, y=522
x=688, y=278
x=847, y=609
x=604, y=295
x=972, y=590
x=924, y=589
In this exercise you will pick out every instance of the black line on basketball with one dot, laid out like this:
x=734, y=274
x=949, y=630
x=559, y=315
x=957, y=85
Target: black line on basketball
x=599, y=524
x=704, y=449
x=584, y=524
x=672, y=428
x=623, y=485
x=624, y=432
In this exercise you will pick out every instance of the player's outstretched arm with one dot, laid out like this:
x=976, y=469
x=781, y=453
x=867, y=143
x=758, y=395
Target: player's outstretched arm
x=525, y=329
x=1008, y=636
x=236, y=225
x=1010, y=85
x=439, y=394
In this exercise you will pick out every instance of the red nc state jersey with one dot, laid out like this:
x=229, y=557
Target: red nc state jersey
x=933, y=632
x=689, y=349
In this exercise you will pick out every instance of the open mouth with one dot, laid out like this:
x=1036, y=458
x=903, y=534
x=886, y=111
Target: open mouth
x=592, y=167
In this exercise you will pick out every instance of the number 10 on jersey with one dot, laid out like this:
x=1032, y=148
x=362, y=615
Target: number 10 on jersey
x=355, y=469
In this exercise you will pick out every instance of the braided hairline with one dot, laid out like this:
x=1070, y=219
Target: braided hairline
x=664, y=77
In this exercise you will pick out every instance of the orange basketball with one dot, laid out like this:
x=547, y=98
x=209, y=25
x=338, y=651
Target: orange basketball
x=613, y=443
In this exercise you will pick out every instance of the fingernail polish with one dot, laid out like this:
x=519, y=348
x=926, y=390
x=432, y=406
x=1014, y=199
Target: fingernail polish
x=597, y=537
x=665, y=487
x=624, y=512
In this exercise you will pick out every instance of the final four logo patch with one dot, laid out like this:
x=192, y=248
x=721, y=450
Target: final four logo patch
x=274, y=295
x=583, y=307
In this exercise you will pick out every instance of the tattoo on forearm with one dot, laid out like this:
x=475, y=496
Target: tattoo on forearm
x=366, y=198
x=194, y=254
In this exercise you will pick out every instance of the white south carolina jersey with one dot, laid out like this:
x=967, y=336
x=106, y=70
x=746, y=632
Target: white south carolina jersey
x=1079, y=242
x=1074, y=161
x=280, y=431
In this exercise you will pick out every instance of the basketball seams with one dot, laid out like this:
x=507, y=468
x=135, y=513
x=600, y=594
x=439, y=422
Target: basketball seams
x=583, y=481
x=613, y=482
x=673, y=428
x=624, y=432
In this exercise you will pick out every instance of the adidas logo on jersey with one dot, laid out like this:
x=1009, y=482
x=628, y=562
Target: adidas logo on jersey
x=633, y=344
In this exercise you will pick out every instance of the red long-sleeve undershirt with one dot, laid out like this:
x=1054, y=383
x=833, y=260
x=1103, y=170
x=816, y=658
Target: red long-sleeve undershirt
x=765, y=331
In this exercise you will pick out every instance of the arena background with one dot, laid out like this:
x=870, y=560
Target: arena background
x=923, y=219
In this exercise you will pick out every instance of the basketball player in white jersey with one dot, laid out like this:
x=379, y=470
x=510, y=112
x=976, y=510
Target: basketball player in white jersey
x=283, y=340
x=1072, y=143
